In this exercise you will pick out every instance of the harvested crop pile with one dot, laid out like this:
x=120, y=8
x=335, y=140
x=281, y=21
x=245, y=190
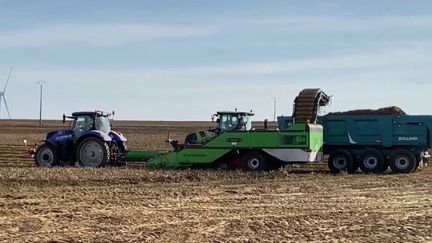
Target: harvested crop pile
x=392, y=110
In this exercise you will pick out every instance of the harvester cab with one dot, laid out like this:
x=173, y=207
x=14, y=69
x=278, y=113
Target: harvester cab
x=233, y=121
x=226, y=121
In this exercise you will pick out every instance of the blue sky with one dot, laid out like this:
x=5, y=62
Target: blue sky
x=185, y=59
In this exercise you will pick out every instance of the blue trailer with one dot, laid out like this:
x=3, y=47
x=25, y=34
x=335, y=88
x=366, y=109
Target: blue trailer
x=374, y=142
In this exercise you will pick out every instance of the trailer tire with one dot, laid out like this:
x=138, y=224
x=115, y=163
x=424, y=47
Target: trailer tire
x=342, y=160
x=46, y=156
x=373, y=161
x=255, y=161
x=403, y=161
x=93, y=152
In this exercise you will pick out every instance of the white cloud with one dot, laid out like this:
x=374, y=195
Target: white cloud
x=361, y=80
x=363, y=61
x=97, y=35
x=356, y=81
x=347, y=23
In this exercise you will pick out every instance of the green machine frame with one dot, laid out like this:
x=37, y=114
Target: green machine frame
x=239, y=142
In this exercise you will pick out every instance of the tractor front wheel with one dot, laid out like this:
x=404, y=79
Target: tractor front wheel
x=46, y=156
x=93, y=152
x=255, y=161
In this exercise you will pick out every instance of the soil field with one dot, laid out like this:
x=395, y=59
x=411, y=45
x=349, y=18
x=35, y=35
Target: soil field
x=297, y=203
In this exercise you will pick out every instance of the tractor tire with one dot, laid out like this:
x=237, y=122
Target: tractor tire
x=255, y=161
x=93, y=152
x=342, y=160
x=403, y=161
x=373, y=161
x=46, y=156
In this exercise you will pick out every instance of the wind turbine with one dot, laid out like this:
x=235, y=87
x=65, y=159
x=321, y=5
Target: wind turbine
x=2, y=95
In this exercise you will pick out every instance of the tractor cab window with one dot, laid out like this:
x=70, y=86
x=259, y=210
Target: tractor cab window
x=82, y=124
x=103, y=124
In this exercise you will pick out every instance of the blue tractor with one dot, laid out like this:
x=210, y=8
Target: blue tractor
x=88, y=140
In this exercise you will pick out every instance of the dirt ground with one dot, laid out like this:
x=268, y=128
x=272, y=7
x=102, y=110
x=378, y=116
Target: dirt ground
x=294, y=204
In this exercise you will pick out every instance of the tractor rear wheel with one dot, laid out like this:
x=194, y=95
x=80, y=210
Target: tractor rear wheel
x=342, y=160
x=403, y=161
x=373, y=161
x=46, y=156
x=255, y=161
x=93, y=152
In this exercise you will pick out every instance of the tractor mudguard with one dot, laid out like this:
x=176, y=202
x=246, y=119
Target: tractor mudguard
x=59, y=135
x=102, y=136
x=117, y=136
x=52, y=143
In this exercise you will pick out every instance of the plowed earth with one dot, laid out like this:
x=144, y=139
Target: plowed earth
x=297, y=203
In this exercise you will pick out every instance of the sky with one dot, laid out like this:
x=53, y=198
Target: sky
x=186, y=59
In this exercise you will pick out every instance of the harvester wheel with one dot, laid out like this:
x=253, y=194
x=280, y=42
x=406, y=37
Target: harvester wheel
x=93, y=152
x=46, y=156
x=255, y=161
x=403, y=161
x=342, y=160
x=373, y=161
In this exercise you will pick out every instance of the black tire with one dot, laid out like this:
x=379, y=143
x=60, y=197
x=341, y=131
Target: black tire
x=342, y=160
x=255, y=161
x=403, y=161
x=93, y=152
x=373, y=161
x=46, y=156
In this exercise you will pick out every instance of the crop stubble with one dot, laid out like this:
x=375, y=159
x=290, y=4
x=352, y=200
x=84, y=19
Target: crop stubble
x=129, y=204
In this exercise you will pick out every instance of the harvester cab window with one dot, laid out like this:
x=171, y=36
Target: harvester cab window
x=228, y=122
x=82, y=124
x=246, y=123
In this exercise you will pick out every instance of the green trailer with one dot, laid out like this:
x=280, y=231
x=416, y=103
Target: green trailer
x=234, y=142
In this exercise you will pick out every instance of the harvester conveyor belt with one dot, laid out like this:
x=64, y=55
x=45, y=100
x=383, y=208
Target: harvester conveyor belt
x=307, y=104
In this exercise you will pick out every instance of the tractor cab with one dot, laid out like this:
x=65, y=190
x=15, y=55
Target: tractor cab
x=233, y=121
x=83, y=122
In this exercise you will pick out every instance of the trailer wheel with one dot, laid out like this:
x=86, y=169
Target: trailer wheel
x=403, y=161
x=342, y=160
x=93, y=152
x=255, y=161
x=46, y=156
x=373, y=161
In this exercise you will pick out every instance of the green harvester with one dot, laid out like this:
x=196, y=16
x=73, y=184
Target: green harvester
x=235, y=143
